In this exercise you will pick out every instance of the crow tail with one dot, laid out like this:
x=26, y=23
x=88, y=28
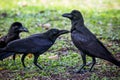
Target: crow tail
x=4, y=55
x=2, y=50
x=114, y=61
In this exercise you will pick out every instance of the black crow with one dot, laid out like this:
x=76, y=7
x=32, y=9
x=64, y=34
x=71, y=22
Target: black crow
x=87, y=42
x=13, y=34
x=36, y=44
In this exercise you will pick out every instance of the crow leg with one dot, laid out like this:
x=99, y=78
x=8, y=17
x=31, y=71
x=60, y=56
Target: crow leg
x=35, y=61
x=84, y=62
x=93, y=63
x=22, y=59
x=14, y=58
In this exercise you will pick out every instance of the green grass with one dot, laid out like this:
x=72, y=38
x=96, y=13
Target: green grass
x=101, y=17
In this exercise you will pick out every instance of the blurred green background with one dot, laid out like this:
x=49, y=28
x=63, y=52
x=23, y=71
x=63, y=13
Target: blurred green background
x=102, y=17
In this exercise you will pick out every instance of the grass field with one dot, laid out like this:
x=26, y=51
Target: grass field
x=101, y=17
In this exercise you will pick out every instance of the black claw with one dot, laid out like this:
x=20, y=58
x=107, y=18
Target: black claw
x=40, y=68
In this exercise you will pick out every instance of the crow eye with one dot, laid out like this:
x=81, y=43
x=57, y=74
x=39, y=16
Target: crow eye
x=54, y=32
x=74, y=17
x=15, y=27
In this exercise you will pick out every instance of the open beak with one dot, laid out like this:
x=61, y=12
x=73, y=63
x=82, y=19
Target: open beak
x=63, y=32
x=68, y=15
x=23, y=29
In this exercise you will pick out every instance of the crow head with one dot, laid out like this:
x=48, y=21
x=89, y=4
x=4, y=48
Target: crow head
x=54, y=33
x=17, y=27
x=74, y=15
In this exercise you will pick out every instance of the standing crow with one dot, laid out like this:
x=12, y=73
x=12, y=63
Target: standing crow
x=13, y=34
x=36, y=44
x=87, y=42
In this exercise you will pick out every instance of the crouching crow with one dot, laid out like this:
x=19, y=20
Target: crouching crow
x=13, y=34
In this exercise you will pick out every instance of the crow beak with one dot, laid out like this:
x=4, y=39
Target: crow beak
x=68, y=15
x=63, y=32
x=23, y=29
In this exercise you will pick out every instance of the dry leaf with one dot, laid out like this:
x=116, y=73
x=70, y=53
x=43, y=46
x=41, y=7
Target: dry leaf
x=47, y=26
x=30, y=55
x=55, y=57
